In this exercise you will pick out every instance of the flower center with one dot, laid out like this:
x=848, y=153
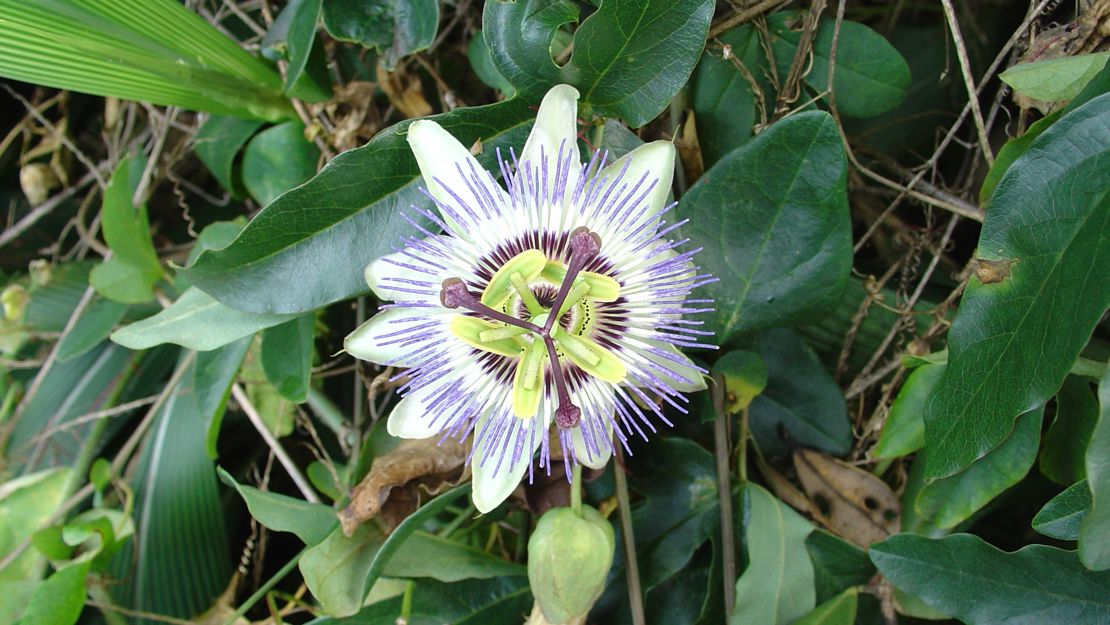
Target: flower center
x=535, y=307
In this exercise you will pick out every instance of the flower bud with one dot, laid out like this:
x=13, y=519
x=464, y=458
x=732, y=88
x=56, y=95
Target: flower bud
x=569, y=556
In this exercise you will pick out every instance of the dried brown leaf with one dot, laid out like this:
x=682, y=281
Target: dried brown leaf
x=853, y=503
x=393, y=487
x=404, y=91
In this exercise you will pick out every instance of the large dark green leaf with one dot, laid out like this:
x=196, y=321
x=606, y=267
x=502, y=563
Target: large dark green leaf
x=1044, y=255
x=180, y=560
x=837, y=565
x=1061, y=517
x=871, y=76
x=773, y=219
x=776, y=588
x=939, y=505
x=321, y=235
x=1094, y=548
x=394, y=27
x=963, y=576
x=722, y=96
x=630, y=57
x=800, y=398
x=430, y=556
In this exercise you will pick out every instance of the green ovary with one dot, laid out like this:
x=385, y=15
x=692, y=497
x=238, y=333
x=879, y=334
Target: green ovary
x=511, y=290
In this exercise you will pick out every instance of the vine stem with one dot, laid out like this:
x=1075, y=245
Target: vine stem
x=632, y=570
x=724, y=492
x=265, y=588
x=275, y=446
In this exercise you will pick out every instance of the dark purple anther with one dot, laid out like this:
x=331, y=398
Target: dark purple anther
x=455, y=294
x=567, y=416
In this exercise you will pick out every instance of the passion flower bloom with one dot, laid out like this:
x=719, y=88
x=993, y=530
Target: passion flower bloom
x=557, y=299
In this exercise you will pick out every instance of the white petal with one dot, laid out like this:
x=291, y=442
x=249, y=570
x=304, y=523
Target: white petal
x=601, y=403
x=440, y=157
x=377, y=340
x=407, y=277
x=492, y=486
x=556, y=128
x=411, y=418
x=657, y=160
x=685, y=369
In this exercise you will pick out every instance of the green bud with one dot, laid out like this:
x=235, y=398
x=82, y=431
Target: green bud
x=14, y=299
x=569, y=556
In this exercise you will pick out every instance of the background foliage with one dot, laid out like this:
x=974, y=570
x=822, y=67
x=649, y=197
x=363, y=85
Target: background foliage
x=906, y=204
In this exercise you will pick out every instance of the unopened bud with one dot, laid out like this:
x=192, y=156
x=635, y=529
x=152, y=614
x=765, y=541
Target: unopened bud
x=569, y=556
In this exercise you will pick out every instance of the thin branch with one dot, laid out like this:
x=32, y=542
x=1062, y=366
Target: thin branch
x=969, y=82
x=85, y=160
x=632, y=568
x=724, y=492
x=744, y=16
x=275, y=446
x=44, y=209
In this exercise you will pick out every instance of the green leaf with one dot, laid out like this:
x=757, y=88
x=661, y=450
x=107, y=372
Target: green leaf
x=944, y=503
x=629, y=59
x=1014, y=148
x=1043, y=241
x=340, y=570
x=156, y=51
x=837, y=565
x=396, y=28
x=26, y=503
x=1065, y=442
x=129, y=275
x=500, y=601
x=477, y=52
x=773, y=219
x=745, y=377
x=1094, y=548
x=1061, y=517
x=904, y=431
x=777, y=585
x=840, y=610
x=1055, y=79
x=196, y=321
x=435, y=557
x=965, y=577
x=213, y=374
x=180, y=560
x=218, y=143
x=91, y=328
x=722, y=97
x=287, y=352
x=278, y=159
x=44, y=435
x=346, y=216
x=302, y=33
x=800, y=397
x=60, y=599
x=311, y=522
x=871, y=75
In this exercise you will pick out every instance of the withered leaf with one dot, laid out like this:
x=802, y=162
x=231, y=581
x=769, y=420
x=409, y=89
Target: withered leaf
x=853, y=503
x=404, y=91
x=992, y=271
x=392, y=488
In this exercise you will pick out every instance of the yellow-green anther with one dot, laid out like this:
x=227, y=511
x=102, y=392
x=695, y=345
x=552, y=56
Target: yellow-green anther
x=529, y=264
x=606, y=366
x=602, y=287
x=577, y=292
x=501, y=332
x=469, y=330
x=528, y=381
x=576, y=347
x=526, y=295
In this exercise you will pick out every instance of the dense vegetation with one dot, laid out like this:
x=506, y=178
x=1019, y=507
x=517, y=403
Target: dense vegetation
x=905, y=204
